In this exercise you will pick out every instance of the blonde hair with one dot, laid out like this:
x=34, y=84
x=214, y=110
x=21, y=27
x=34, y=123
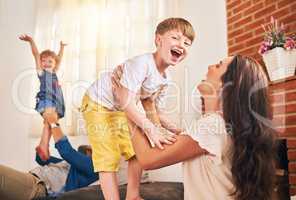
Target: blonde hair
x=49, y=53
x=176, y=23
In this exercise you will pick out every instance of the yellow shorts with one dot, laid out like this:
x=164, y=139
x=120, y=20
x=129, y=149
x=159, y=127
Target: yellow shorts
x=108, y=135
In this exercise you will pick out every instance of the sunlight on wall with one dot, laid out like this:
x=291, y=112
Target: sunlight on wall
x=100, y=35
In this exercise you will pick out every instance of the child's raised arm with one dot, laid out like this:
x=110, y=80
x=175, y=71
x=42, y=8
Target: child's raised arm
x=60, y=55
x=34, y=49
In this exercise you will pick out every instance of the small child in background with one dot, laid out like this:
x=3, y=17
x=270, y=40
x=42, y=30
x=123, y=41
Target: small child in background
x=50, y=98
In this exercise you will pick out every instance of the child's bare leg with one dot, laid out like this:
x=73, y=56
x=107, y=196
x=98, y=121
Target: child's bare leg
x=109, y=185
x=43, y=147
x=134, y=178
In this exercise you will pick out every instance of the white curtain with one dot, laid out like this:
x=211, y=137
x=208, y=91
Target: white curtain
x=100, y=34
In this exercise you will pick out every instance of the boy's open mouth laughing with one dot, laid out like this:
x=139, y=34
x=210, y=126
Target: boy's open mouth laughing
x=176, y=54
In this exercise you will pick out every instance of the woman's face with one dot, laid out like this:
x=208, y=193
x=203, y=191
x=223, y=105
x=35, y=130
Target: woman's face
x=213, y=81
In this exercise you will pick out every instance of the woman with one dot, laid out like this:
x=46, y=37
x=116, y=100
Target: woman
x=231, y=154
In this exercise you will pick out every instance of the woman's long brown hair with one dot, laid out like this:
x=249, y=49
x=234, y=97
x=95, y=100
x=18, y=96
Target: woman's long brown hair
x=246, y=110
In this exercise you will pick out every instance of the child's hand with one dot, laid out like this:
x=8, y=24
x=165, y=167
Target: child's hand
x=158, y=137
x=26, y=38
x=63, y=44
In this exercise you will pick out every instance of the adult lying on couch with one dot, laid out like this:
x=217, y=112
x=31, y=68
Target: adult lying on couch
x=53, y=176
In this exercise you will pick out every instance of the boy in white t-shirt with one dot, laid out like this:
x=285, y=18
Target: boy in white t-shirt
x=145, y=78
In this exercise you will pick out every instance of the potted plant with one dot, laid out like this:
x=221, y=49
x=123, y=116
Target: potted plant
x=278, y=51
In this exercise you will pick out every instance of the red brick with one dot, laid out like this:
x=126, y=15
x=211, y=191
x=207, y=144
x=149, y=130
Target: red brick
x=288, y=19
x=283, y=120
x=256, y=1
x=242, y=22
x=292, y=155
x=246, y=52
x=235, y=48
x=254, y=41
x=285, y=86
x=292, y=167
x=244, y=37
x=290, y=29
x=278, y=14
x=253, y=9
x=229, y=27
x=242, y=7
x=233, y=4
x=281, y=98
x=285, y=3
x=254, y=24
x=293, y=7
x=235, y=33
x=291, y=143
x=291, y=120
x=290, y=108
x=286, y=132
x=268, y=2
x=265, y=11
x=292, y=179
x=234, y=18
x=259, y=31
x=230, y=42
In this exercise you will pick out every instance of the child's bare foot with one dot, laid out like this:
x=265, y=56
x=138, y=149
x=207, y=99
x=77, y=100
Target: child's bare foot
x=43, y=152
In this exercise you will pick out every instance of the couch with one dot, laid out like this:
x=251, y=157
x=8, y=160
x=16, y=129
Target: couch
x=149, y=191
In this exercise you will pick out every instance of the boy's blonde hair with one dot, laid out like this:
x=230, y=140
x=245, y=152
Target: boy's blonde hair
x=49, y=53
x=176, y=23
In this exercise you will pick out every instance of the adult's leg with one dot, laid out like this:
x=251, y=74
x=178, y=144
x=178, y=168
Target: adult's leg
x=134, y=178
x=16, y=185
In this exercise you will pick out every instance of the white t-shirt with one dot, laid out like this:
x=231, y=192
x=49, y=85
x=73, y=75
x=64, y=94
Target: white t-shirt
x=209, y=177
x=140, y=75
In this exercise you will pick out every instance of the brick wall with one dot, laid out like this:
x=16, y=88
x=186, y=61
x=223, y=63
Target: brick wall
x=245, y=34
x=283, y=96
x=244, y=19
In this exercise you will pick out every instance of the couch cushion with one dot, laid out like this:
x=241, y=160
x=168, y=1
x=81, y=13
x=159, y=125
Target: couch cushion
x=149, y=191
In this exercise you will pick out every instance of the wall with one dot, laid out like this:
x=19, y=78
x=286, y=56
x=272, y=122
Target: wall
x=15, y=57
x=244, y=19
x=283, y=96
x=16, y=17
x=209, y=21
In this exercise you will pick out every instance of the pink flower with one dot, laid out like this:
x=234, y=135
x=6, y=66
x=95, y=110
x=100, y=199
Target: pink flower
x=289, y=44
x=265, y=46
x=275, y=37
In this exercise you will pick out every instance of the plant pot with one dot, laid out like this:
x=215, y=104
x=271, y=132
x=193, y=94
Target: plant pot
x=280, y=63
